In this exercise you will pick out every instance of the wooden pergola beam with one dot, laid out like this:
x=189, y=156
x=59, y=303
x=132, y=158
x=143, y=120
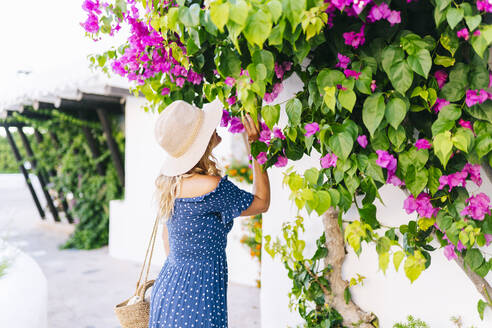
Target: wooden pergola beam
x=23, y=170
x=40, y=175
x=112, y=145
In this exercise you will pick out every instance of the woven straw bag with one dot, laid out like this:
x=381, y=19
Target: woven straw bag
x=135, y=314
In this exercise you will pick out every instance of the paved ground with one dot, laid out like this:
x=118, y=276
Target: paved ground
x=84, y=286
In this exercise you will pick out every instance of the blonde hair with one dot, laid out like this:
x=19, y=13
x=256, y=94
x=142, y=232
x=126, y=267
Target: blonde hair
x=168, y=187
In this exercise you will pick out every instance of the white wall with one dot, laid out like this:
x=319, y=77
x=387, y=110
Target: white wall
x=441, y=291
x=131, y=219
x=23, y=292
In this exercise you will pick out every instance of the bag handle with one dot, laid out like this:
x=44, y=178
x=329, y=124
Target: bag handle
x=148, y=258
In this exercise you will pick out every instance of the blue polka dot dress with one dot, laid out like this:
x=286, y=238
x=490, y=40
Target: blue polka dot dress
x=191, y=288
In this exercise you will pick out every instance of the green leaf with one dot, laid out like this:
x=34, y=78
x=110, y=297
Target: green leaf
x=329, y=97
x=373, y=111
x=329, y=77
x=293, y=10
x=347, y=99
x=453, y=90
x=421, y=62
x=396, y=109
x=450, y=42
x=368, y=215
x=294, y=111
x=275, y=8
x=258, y=27
x=481, y=306
x=479, y=44
x=373, y=169
x=398, y=256
x=324, y=202
x=384, y=261
x=444, y=61
x=473, y=21
x=442, y=4
x=239, y=12
x=433, y=182
x=271, y=115
x=414, y=265
x=229, y=63
x=463, y=139
x=265, y=57
x=443, y=146
x=473, y=258
x=441, y=125
x=341, y=144
x=311, y=176
x=483, y=145
x=190, y=16
x=416, y=180
x=383, y=245
x=219, y=14
x=397, y=69
x=454, y=16
x=346, y=297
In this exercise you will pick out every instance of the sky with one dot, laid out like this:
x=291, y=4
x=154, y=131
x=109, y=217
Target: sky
x=45, y=38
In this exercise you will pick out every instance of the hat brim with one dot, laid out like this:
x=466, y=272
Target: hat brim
x=173, y=166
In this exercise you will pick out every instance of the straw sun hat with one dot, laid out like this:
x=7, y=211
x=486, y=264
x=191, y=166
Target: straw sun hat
x=184, y=131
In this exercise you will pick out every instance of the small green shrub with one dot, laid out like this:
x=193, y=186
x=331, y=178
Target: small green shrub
x=411, y=323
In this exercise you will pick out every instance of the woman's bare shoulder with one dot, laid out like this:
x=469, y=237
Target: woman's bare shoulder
x=199, y=185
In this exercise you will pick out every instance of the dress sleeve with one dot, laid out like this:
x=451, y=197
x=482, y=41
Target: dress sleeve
x=230, y=200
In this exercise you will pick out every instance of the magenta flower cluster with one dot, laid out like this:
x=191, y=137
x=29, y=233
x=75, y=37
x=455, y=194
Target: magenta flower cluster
x=423, y=144
x=474, y=97
x=280, y=69
x=355, y=39
x=421, y=204
x=91, y=24
x=329, y=160
x=383, y=12
x=477, y=206
x=389, y=162
x=441, y=77
x=470, y=171
x=484, y=5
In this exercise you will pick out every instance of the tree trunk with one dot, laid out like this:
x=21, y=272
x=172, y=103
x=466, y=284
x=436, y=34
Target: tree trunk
x=353, y=315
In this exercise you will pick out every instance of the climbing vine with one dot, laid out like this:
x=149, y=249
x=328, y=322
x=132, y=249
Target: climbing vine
x=393, y=93
x=76, y=175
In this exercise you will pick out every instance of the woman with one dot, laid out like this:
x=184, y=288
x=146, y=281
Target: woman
x=199, y=207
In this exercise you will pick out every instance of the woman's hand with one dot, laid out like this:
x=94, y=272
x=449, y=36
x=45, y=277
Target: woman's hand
x=251, y=129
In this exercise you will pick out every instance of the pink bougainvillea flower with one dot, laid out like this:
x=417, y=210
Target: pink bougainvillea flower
x=465, y=124
x=311, y=128
x=488, y=239
x=394, y=17
x=449, y=252
x=341, y=87
x=394, y=180
x=439, y=104
x=329, y=160
x=286, y=65
x=279, y=71
x=463, y=33
x=423, y=144
x=277, y=133
x=236, y=125
x=343, y=61
x=472, y=98
x=91, y=24
x=165, y=91
x=180, y=81
x=281, y=161
x=261, y=158
x=351, y=73
x=362, y=140
x=476, y=33
x=373, y=85
x=270, y=97
x=231, y=100
x=226, y=118
x=386, y=160
x=421, y=204
x=355, y=39
x=441, y=77
x=265, y=136
x=379, y=12
x=453, y=180
x=484, y=5
x=477, y=207
x=230, y=81
x=474, y=173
